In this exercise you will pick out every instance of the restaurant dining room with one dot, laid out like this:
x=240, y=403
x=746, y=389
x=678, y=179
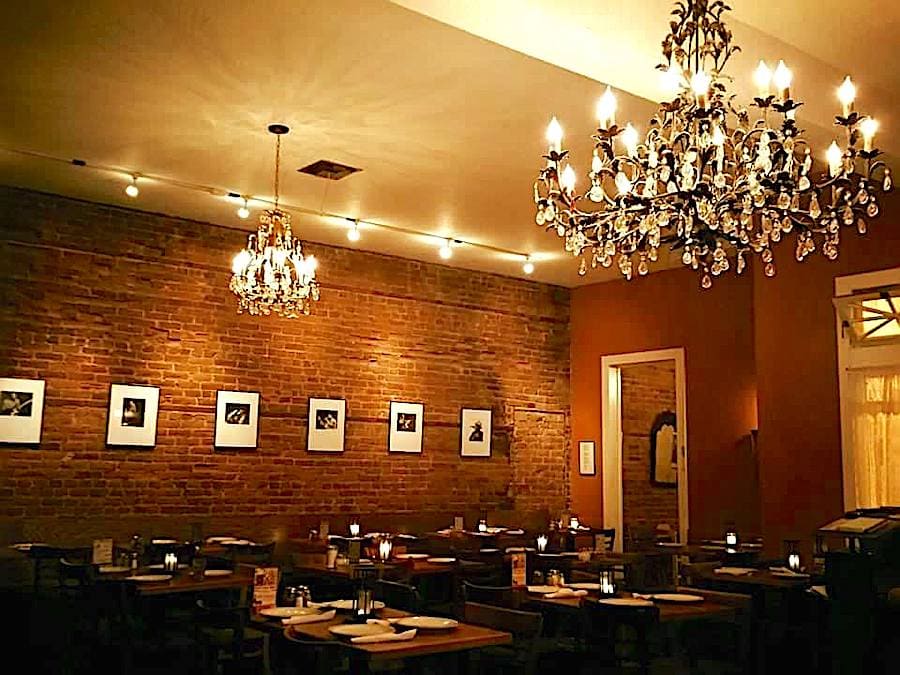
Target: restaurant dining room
x=450, y=337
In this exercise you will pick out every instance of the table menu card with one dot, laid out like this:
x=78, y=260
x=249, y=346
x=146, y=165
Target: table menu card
x=519, y=572
x=458, y=523
x=102, y=553
x=265, y=588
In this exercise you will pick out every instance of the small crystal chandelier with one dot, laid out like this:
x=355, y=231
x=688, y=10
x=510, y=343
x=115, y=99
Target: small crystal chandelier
x=706, y=179
x=271, y=274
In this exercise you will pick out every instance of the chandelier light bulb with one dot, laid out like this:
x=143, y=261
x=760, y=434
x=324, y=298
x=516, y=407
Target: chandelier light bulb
x=762, y=78
x=243, y=212
x=132, y=189
x=240, y=261
x=867, y=128
x=835, y=157
x=606, y=109
x=718, y=137
x=554, y=135
x=353, y=232
x=596, y=163
x=700, y=82
x=446, y=250
x=630, y=139
x=670, y=81
x=567, y=180
x=528, y=266
x=847, y=95
x=623, y=185
x=782, y=79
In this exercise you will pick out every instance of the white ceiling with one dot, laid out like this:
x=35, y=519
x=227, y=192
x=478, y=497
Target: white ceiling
x=442, y=103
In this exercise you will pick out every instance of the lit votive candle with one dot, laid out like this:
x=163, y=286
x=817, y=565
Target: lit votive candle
x=542, y=543
x=731, y=538
x=354, y=529
x=794, y=562
x=384, y=549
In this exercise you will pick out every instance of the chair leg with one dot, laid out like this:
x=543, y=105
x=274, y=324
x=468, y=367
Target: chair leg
x=267, y=666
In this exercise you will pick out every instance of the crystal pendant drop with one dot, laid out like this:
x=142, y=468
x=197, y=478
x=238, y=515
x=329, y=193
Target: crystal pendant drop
x=848, y=215
x=784, y=201
x=814, y=209
x=770, y=269
x=643, y=268
x=706, y=282
x=539, y=218
x=803, y=184
x=795, y=202
x=582, y=269
x=888, y=183
x=686, y=257
x=861, y=226
x=872, y=209
x=561, y=230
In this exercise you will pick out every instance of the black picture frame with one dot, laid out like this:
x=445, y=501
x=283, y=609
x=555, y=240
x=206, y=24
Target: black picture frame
x=663, y=419
x=593, y=449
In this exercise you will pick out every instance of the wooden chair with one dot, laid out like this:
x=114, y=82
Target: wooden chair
x=496, y=596
x=519, y=657
x=252, y=554
x=223, y=631
x=398, y=596
x=727, y=643
x=313, y=657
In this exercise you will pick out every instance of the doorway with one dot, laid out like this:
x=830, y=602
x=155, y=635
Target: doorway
x=644, y=453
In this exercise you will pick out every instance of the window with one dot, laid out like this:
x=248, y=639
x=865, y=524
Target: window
x=868, y=330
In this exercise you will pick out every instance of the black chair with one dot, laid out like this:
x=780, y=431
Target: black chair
x=605, y=539
x=313, y=657
x=252, y=554
x=397, y=595
x=619, y=636
x=496, y=596
x=223, y=632
x=519, y=657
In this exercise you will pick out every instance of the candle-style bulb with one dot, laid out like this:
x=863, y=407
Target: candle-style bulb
x=762, y=78
x=847, y=95
x=782, y=79
x=867, y=128
x=596, y=164
x=606, y=109
x=700, y=82
x=567, y=180
x=835, y=157
x=554, y=135
x=630, y=139
x=670, y=81
x=623, y=185
x=718, y=137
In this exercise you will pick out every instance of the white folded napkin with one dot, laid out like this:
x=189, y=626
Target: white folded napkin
x=642, y=596
x=788, y=572
x=818, y=590
x=567, y=593
x=384, y=622
x=309, y=618
x=736, y=571
x=385, y=637
x=515, y=532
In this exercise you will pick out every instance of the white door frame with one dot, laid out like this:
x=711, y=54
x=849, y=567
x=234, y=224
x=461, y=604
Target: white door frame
x=850, y=358
x=611, y=401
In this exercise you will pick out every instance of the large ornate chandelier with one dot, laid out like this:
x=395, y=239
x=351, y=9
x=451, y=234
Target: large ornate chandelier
x=709, y=178
x=271, y=274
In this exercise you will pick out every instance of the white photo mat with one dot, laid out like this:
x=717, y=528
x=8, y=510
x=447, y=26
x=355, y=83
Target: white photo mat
x=21, y=410
x=586, y=458
x=405, y=424
x=131, y=419
x=475, y=428
x=237, y=419
x=326, y=425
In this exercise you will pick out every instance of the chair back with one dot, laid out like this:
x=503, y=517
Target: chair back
x=397, y=595
x=318, y=657
x=523, y=625
x=253, y=554
x=605, y=539
x=497, y=596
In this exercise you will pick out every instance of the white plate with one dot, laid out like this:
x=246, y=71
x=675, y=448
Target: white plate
x=411, y=556
x=427, y=622
x=543, y=590
x=713, y=547
x=27, y=546
x=442, y=561
x=149, y=578
x=218, y=539
x=217, y=573
x=677, y=597
x=491, y=550
x=626, y=602
x=406, y=536
x=285, y=612
x=113, y=569
x=162, y=542
x=585, y=586
x=346, y=605
x=161, y=566
x=669, y=544
x=352, y=630
x=515, y=533
x=550, y=555
x=751, y=545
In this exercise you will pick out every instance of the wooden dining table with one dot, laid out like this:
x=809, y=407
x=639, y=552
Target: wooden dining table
x=464, y=638
x=668, y=611
x=182, y=581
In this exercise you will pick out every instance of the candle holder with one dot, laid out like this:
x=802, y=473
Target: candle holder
x=542, y=543
x=364, y=599
x=607, y=582
x=731, y=537
x=385, y=547
x=792, y=554
x=482, y=525
x=354, y=528
x=574, y=525
x=170, y=562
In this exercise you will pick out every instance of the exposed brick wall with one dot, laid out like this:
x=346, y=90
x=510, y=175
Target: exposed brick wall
x=93, y=294
x=647, y=390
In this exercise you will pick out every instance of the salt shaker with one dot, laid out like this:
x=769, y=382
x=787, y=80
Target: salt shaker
x=290, y=596
x=303, y=596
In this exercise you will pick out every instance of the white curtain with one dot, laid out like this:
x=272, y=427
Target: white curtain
x=875, y=418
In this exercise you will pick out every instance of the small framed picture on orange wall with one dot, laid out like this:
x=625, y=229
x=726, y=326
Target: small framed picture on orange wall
x=586, y=459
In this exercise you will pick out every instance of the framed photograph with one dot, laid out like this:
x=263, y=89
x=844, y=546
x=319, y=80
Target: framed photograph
x=475, y=432
x=405, y=427
x=664, y=450
x=586, y=458
x=326, y=425
x=21, y=410
x=131, y=419
x=237, y=419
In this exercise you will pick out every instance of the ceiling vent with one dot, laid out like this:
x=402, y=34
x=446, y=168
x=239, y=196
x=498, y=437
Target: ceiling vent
x=325, y=168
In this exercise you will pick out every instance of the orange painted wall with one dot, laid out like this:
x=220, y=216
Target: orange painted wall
x=796, y=367
x=751, y=343
x=662, y=310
